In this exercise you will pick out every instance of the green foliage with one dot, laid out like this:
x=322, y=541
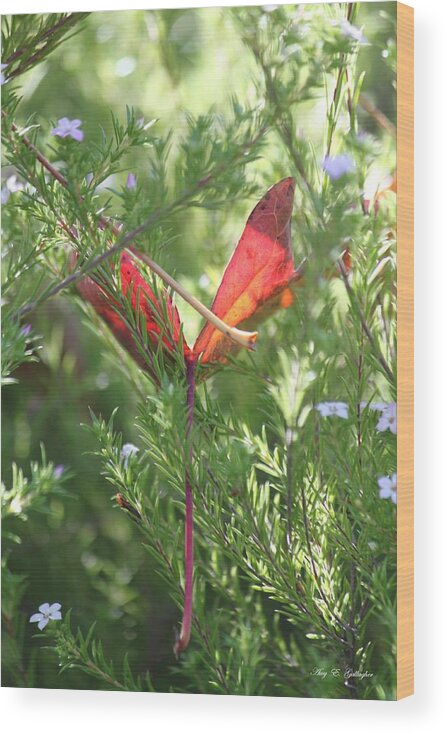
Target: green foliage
x=28, y=39
x=295, y=561
x=86, y=654
x=31, y=494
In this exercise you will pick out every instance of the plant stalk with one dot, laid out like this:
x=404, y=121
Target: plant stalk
x=185, y=633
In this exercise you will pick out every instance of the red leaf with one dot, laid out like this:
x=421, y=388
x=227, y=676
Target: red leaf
x=157, y=325
x=257, y=281
x=143, y=295
x=257, y=278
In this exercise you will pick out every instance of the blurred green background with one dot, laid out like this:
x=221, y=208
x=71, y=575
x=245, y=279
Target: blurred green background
x=85, y=553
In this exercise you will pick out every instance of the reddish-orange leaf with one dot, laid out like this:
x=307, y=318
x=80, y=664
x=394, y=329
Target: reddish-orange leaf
x=256, y=282
x=257, y=278
x=142, y=295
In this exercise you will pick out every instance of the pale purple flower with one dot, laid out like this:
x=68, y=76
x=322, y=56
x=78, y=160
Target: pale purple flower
x=58, y=471
x=332, y=408
x=365, y=139
x=338, y=165
x=373, y=406
x=68, y=128
x=127, y=452
x=2, y=76
x=378, y=406
x=26, y=330
x=12, y=184
x=45, y=613
x=388, y=419
x=351, y=31
x=388, y=488
x=106, y=183
x=131, y=181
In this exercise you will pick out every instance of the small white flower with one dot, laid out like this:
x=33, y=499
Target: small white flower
x=332, y=408
x=141, y=124
x=388, y=419
x=351, y=31
x=45, y=613
x=388, y=487
x=16, y=506
x=127, y=452
x=204, y=281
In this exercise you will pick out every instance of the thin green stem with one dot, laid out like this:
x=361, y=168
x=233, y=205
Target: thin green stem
x=354, y=302
x=337, y=96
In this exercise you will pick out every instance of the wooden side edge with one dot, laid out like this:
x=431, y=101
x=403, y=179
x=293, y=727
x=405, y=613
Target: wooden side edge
x=405, y=352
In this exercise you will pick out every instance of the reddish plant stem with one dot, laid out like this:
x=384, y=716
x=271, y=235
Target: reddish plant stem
x=69, y=19
x=183, y=640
